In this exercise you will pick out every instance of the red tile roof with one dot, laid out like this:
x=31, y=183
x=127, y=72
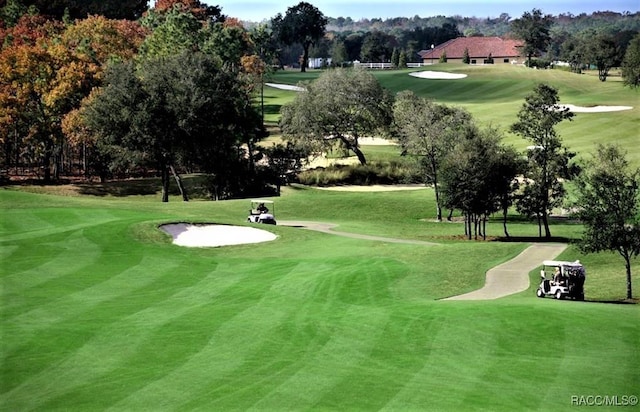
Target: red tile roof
x=479, y=48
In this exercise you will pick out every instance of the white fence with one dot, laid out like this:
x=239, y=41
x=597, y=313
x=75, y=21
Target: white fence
x=384, y=65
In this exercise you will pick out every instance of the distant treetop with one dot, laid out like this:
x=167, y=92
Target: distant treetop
x=79, y=9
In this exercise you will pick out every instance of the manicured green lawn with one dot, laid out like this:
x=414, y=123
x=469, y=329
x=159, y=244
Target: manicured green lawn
x=101, y=311
x=495, y=94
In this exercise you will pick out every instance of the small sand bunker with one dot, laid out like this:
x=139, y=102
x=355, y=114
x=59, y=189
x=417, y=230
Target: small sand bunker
x=595, y=109
x=285, y=87
x=373, y=188
x=428, y=74
x=185, y=234
x=376, y=141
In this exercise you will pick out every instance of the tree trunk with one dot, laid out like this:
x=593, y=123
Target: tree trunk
x=545, y=220
x=358, y=152
x=57, y=163
x=165, y=183
x=305, y=57
x=46, y=164
x=450, y=216
x=484, y=228
x=176, y=176
x=627, y=263
x=539, y=225
x=434, y=170
x=504, y=221
x=475, y=227
x=466, y=231
x=438, y=207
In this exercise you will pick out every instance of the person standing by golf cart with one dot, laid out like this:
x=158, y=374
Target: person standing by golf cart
x=558, y=279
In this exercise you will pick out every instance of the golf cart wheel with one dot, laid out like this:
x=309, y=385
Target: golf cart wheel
x=558, y=294
x=539, y=293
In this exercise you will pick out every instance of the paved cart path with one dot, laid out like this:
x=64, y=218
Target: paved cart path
x=513, y=276
x=506, y=279
x=328, y=228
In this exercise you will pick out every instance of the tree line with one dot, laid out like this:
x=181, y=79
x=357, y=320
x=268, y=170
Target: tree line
x=171, y=91
x=55, y=73
x=489, y=26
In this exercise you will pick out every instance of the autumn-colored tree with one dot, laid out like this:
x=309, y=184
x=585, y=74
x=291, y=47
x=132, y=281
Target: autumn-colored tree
x=28, y=29
x=82, y=52
x=200, y=10
x=26, y=75
x=16, y=40
x=47, y=71
x=100, y=40
x=74, y=9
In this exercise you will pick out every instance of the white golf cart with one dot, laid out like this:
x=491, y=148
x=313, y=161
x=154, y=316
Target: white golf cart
x=567, y=280
x=262, y=211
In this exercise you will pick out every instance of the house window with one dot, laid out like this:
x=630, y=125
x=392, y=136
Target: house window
x=473, y=61
x=505, y=61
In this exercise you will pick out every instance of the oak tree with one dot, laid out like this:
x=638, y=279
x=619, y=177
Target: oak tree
x=608, y=204
x=548, y=159
x=428, y=131
x=341, y=105
x=303, y=24
x=533, y=28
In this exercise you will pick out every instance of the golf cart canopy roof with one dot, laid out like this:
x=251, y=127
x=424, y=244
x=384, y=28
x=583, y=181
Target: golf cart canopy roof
x=261, y=201
x=561, y=263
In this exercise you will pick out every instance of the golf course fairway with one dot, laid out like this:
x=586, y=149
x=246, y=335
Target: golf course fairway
x=100, y=311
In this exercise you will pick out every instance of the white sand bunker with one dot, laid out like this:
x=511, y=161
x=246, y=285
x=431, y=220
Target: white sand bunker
x=189, y=235
x=285, y=87
x=595, y=109
x=373, y=188
x=428, y=74
x=376, y=141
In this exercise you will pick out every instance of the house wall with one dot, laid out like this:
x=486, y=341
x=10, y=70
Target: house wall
x=477, y=60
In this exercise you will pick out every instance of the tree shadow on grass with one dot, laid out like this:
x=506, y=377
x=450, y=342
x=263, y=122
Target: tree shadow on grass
x=195, y=186
x=633, y=301
x=533, y=239
x=121, y=188
x=272, y=108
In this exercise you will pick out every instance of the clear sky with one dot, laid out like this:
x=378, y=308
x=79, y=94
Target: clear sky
x=255, y=10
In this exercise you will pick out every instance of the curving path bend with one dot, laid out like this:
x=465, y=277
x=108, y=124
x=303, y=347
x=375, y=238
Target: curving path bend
x=328, y=228
x=505, y=279
x=513, y=276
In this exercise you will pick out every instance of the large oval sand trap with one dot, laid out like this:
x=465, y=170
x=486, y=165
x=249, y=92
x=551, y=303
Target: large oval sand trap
x=185, y=234
x=428, y=74
x=285, y=87
x=595, y=109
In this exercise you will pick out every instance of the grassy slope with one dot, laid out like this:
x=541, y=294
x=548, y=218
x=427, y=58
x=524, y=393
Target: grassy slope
x=495, y=94
x=99, y=310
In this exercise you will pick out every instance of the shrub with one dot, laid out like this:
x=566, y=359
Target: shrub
x=539, y=63
x=393, y=172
